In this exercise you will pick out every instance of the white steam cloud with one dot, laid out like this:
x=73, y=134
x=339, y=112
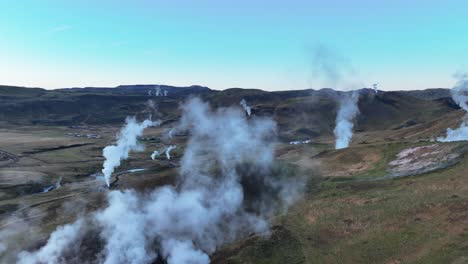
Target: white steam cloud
x=347, y=111
x=300, y=142
x=336, y=70
x=157, y=91
x=460, y=91
x=227, y=188
x=458, y=134
x=127, y=141
x=58, y=242
x=17, y=232
x=168, y=151
x=123, y=228
x=246, y=107
x=154, y=154
x=460, y=96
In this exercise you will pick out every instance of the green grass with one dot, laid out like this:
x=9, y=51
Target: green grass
x=419, y=219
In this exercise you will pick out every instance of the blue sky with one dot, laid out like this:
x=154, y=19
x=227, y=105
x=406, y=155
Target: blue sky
x=222, y=44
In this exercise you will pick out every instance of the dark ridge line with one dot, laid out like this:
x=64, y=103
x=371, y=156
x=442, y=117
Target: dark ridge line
x=56, y=148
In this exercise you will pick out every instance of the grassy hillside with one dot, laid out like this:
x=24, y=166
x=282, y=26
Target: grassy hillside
x=369, y=203
x=419, y=219
x=307, y=112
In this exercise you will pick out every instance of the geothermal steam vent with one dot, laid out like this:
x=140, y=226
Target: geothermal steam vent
x=207, y=207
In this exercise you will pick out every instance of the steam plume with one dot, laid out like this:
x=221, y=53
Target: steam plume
x=458, y=134
x=460, y=96
x=155, y=154
x=246, y=107
x=299, y=142
x=58, y=184
x=336, y=70
x=348, y=109
x=226, y=189
x=17, y=232
x=127, y=141
x=460, y=91
x=168, y=151
x=375, y=87
x=52, y=252
x=123, y=228
x=157, y=91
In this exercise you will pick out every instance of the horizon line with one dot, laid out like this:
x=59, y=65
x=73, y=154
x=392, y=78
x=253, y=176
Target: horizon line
x=197, y=85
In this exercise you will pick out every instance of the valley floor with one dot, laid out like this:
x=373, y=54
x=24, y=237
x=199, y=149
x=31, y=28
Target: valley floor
x=363, y=204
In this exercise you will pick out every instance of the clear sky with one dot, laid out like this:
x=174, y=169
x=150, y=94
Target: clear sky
x=221, y=43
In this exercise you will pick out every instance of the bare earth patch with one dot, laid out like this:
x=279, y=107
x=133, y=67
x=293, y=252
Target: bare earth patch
x=423, y=159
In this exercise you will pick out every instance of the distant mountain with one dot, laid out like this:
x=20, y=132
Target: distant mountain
x=307, y=113
x=429, y=94
x=12, y=91
x=142, y=89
